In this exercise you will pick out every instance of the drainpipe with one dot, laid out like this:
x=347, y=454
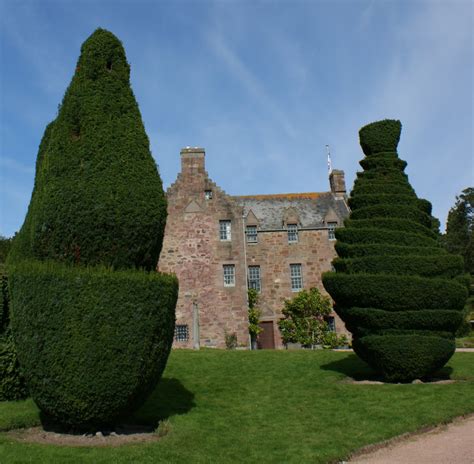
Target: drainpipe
x=244, y=237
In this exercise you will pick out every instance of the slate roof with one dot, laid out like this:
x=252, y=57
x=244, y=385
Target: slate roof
x=311, y=208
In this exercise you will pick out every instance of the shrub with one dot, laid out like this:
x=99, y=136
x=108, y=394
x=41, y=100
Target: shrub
x=304, y=320
x=93, y=342
x=93, y=327
x=399, y=293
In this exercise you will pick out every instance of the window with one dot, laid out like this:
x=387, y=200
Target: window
x=251, y=232
x=296, y=277
x=224, y=230
x=254, y=277
x=181, y=333
x=208, y=194
x=292, y=233
x=229, y=275
x=331, y=323
x=332, y=230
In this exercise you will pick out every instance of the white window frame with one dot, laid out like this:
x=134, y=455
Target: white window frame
x=332, y=230
x=228, y=271
x=255, y=278
x=225, y=230
x=296, y=277
x=292, y=233
x=251, y=237
x=208, y=194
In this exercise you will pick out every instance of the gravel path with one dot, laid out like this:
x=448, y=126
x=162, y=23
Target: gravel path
x=448, y=444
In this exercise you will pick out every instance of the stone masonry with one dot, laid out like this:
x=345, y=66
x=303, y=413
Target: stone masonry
x=197, y=251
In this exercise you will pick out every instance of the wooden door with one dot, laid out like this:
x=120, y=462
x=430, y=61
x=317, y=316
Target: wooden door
x=266, y=338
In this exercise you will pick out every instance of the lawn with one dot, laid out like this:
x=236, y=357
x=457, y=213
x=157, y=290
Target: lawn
x=263, y=406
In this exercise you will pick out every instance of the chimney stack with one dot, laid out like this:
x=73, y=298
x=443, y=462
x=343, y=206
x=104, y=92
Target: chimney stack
x=192, y=161
x=337, y=183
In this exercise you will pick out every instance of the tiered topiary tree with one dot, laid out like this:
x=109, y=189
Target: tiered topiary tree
x=93, y=323
x=398, y=291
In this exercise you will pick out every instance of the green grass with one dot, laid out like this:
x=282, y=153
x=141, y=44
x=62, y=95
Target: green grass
x=265, y=407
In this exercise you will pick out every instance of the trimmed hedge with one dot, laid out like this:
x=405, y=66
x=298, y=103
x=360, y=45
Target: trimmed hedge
x=93, y=342
x=362, y=201
x=391, y=224
x=425, y=266
x=395, y=292
x=421, y=319
x=373, y=235
x=12, y=383
x=92, y=326
x=98, y=198
x=380, y=137
x=345, y=250
x=399, y=293
x=402, y=358
x=389, y=210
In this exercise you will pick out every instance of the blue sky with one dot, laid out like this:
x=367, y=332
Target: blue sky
x=263, y=86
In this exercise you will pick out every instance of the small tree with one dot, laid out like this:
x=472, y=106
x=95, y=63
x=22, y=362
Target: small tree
x=304, y=320
x=254, y=317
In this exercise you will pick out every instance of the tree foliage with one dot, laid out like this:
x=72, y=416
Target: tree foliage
x=93, y=328
x=304, y=320
x=459, y=237
x=397, y=290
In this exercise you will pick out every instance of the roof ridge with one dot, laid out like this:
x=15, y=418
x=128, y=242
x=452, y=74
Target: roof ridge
x=282, y=195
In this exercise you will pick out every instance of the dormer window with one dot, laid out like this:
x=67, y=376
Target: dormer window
x=332, y=230
x=292, y=233
x=251, y=232
x=208, y=194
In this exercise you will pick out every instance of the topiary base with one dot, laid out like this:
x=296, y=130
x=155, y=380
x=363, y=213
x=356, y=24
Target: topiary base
x=403, y=358
x=93, y=342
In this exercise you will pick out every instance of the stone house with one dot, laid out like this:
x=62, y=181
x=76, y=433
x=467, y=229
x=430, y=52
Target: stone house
x=220, y=245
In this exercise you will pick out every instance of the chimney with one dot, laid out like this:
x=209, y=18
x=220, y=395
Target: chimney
x=192, y=160
x=337, y=183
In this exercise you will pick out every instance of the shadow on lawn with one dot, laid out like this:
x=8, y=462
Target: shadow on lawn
x=352, y=366
x=170, y=398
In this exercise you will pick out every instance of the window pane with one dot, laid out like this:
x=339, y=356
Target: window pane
x=251, y=232
x=224, y=230
x=254, y=277
x=229, y=275
x=208, y=194
x=331, y=230
x=296, y=277
x=181, y=333
x=292, y=233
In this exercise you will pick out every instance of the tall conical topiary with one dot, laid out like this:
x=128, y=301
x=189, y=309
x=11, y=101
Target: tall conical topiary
x=397, y=290
x=92, y=325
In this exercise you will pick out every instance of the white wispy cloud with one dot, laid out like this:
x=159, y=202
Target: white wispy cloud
x=249, y=81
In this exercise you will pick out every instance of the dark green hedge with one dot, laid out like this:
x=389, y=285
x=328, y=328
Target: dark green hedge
x=92, y=342
x=98, y=198
x=383, y=187
x=380, y=136
x=397, y=290
x=393, y=211
x=345, y=250
x=92, y=327
x=426, y=266
x=421, y=319
x=373, y=235
x=402, y=358
x=363, y=201
x=399, y=224
x=387, y=161
x=12, y=383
